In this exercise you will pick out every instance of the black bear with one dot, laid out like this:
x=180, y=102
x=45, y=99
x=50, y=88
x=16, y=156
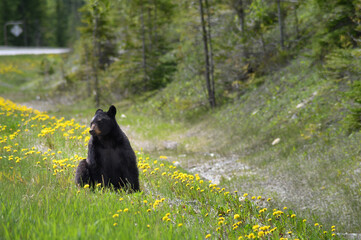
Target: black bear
x=111, y=160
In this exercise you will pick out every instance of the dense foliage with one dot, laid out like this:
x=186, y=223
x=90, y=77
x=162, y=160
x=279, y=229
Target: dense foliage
x=159, y=42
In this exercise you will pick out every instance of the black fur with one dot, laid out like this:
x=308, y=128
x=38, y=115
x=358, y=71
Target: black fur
x=111, y=159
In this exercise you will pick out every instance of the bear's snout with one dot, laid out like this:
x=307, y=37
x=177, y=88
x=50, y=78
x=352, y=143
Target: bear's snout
x=94, y=130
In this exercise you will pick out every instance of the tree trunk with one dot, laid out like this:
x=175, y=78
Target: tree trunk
x=280, y=22
x=87, y=69
x=296, y=21
x=155, y=23
x=95, y=62
x=206, y=57
x=143, y=46
x=209, y=36
x=150, y=28
x=238, y=5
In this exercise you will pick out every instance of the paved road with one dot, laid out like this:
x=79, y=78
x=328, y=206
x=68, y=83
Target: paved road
x=5, y=51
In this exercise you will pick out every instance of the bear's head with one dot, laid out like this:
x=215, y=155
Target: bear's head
x=103, y=122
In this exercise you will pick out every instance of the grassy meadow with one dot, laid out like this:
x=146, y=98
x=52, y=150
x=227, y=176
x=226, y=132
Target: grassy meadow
x=39, y=152
x=39, y=200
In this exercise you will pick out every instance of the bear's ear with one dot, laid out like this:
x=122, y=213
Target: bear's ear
x=112, y=111
x=99, y=110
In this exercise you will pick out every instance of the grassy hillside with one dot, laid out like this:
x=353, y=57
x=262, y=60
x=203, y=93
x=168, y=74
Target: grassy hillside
x=39, y=153
x=39, y=199
x=314, y=166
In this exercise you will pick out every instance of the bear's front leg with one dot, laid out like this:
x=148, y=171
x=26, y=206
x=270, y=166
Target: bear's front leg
x=82, y=174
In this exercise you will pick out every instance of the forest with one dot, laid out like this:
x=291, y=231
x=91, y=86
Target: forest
x=268, y=89
x=123, y=47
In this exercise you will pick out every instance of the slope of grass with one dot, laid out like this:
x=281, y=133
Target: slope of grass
x=314, y=169
x=39, y=199
x=315, y=166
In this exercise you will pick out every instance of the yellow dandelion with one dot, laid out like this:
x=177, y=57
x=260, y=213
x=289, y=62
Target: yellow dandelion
x=86, y=186
x=255, y=227
x=251, y=236
x=208, y=235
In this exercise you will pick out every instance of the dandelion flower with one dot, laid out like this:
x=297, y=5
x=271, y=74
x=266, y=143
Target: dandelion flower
x=251, y=236
x=86, y=186
x=208, y=235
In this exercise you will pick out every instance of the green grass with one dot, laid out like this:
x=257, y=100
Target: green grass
x=315, y=167
x=314, y=170
x=39, y=199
